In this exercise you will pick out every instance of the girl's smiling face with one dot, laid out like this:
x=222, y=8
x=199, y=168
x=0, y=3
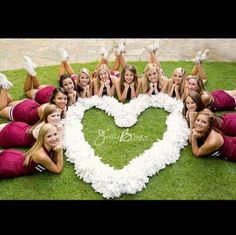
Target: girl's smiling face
x=68, y=85
x=60, y=100
x=152, y=75
x=104, y=75
x=178, y=77
x=192, y=85
x=190, y=104
x=51, y=138
x=129, y=76
x=54, y=118
x=201, y=123
x=83, y=79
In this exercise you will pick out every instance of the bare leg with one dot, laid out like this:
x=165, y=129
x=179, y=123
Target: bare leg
x=194, y=70
x=28, y=89
x=201, y=72
x=102, y=61
x=5, y=101
x=232, y=93
x=116, y=64
x=122, y=60
x=9, y=98
x=63, y=66
x=3, y=98
x=154, y=59
x=2, y=126
x=69, y=69
x=198, y=70
x=12, y=103
x=29, y=82
x=62, y=70
x=5, y=112
x=36, y=82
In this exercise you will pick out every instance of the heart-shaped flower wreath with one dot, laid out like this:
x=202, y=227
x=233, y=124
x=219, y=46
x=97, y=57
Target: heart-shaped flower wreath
x=132, y=178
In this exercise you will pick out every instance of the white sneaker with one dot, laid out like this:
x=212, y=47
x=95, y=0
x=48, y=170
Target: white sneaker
x=102, y=51
x=63, y=53
x=205, y=55
x=29, y=69
x=115, y=44
x=117, y=51
x=4, y=83
x=197, y=58
x=151, y=48
x=108, y=52
x=122, y=48
x=156, y=46
x=29, y=61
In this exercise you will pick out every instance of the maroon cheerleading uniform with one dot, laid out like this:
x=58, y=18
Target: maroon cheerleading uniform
x=14, y=134
x=227, y=150
x=12, y=164
x=115, y=73
x=25, y=111
x=74, y=77
x=43, y=95
x=227, y=124
x=222, y=101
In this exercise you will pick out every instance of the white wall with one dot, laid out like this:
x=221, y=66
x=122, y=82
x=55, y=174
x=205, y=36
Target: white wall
x=44, y=51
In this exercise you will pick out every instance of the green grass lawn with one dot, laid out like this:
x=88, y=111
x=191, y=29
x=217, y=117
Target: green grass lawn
x=189, y=178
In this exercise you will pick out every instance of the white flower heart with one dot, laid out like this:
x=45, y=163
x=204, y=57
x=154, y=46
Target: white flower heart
x=132, y=178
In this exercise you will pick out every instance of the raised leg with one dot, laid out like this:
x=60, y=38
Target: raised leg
x=69, y=69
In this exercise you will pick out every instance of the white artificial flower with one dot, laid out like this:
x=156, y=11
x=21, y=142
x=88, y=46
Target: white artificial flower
x=135, y=175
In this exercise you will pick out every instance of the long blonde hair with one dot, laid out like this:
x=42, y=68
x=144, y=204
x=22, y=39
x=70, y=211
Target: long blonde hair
x=182, y=85
x=49, y=109
x=106, y=68
x=87, y=72
x=199, y=81
x=145, y=81
x=39, y=142
x=214, y=120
